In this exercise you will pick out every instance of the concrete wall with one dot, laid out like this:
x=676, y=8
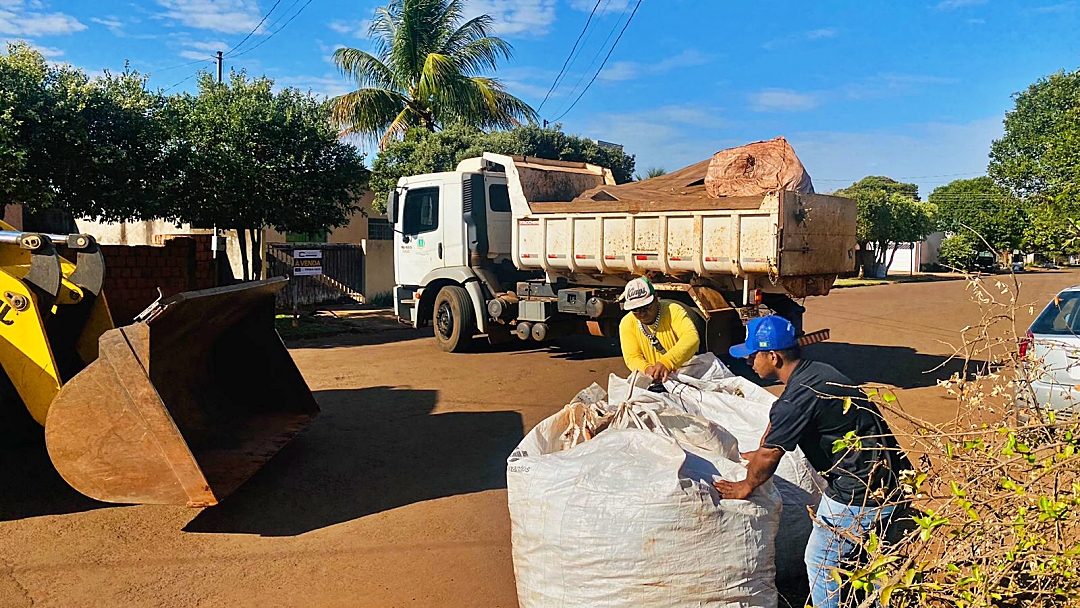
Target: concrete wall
x=378, y=267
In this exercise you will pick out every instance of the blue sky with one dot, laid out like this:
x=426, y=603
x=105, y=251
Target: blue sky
x=913, y=90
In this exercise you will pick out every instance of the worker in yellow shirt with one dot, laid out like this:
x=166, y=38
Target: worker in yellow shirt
x=657, y=338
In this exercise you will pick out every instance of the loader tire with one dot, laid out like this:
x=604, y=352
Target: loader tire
x=453, y=319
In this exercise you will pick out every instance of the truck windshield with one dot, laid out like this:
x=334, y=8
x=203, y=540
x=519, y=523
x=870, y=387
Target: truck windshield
x=1060, y=317
x=421, y=212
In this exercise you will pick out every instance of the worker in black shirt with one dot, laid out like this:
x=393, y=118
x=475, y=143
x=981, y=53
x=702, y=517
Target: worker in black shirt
x=820, y=405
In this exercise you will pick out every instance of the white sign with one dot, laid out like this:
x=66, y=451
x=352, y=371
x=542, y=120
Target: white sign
x=307, y=254
x=306, y=271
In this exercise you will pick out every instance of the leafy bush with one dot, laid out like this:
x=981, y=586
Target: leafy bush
x=958, y=251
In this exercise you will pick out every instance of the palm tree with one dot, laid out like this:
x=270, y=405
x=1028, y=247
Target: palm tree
x=426, y=72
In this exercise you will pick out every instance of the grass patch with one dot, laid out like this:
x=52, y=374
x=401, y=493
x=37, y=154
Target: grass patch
x=917, y=278
x=308, y=326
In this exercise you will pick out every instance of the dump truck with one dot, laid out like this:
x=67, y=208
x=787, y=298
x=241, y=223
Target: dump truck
x=510, y=246
x=179, y=407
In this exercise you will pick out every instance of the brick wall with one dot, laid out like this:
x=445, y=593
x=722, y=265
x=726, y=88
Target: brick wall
x=175, y=263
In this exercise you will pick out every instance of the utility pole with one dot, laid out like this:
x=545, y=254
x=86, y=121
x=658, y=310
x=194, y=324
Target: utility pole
x=214, y=238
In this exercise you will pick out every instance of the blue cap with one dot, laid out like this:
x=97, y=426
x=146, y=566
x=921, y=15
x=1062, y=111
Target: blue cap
x=772, y=332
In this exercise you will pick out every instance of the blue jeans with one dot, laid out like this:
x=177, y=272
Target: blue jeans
x=830, y=545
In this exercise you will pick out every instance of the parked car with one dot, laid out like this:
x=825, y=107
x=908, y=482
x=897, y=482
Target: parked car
x=1051, y=353
x=1018, y=267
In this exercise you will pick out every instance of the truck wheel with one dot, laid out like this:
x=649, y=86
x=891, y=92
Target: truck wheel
x=453, y=319
x=699, y=323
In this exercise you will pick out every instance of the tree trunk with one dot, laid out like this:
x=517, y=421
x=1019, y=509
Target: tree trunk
x=892, y=256
x=256, y=255
x=241, y=240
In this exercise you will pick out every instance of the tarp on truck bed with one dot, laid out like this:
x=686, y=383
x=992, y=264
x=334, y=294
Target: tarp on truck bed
x=757, y=168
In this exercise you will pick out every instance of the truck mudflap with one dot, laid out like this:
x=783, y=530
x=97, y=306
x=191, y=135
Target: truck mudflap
x=185, y=404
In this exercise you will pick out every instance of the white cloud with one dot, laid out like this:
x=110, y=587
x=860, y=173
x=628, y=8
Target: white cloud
x=611, y=6
x=522, y=18
x=946, y=5
x=228, y=16
x=810, y=36
x=826, y=32
x=114, y=24
x=48, y=51
x=783, y=100
x=327, y=85
x=929, y=154
x=210, y=46
x=885, y=85
x=19, y=18
x=628, y=70
x=670, y=137
x=356, y=29
x=1064, y=7
x=976, y=21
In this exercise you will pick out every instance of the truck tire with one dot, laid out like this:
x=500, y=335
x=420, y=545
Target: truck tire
x=453, y=319
x=699, y=323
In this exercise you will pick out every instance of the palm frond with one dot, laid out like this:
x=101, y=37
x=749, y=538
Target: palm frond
x=383, y=30
x=365, y=70
x=366, y=111
x=476, y=56
x=473, y=29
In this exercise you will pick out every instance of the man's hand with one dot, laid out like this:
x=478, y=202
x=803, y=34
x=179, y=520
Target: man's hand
x=739, y=490
x=657, y=371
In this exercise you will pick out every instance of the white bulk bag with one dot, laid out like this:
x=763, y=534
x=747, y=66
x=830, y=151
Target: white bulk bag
x=630, y=518
x=715, y=396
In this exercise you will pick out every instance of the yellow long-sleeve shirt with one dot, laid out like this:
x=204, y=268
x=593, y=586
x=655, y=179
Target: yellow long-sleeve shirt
x=676, y=333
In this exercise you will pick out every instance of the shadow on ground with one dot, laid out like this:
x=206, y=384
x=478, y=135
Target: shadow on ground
x=385, y=335
x=900, y=366
x=32, y=487
x=369, y=451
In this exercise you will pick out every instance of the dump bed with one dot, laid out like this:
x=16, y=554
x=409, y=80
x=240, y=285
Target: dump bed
x=669, y=225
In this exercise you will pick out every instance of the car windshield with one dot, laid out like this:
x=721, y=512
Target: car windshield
x=1060, y=317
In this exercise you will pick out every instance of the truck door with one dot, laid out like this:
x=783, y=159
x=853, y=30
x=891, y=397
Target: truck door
x=418, y=242
x=499, y=220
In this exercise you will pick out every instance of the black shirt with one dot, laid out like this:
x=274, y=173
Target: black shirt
x=810, y=414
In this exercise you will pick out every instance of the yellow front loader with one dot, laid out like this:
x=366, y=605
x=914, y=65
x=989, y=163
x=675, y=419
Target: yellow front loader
x=180, y=407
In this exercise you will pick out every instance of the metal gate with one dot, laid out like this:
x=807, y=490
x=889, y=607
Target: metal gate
x=339, y=277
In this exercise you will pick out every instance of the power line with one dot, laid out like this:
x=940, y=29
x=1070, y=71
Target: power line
x=182, y=65
x=596, y=55
x=176, y=84
x=568, y=57
x=610, y=51
x=256, y=28
x=274, y=33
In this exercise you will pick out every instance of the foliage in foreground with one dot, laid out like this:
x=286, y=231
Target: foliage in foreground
x=995, y=494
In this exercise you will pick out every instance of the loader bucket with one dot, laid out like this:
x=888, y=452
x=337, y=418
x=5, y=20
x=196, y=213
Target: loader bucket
x=185, y=404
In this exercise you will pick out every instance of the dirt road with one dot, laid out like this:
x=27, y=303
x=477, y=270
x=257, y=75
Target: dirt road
x=393, y=497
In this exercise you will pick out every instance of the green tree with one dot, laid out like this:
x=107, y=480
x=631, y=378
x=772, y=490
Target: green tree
x=425, y=152
x=650, y=173
x=982, y=206
x=880, y=183
x=959, y=250
x=889, y=213
x=251, y=158
x=427, y=72
x=1038, y=157
x=1053, y=229
x=69, y=144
